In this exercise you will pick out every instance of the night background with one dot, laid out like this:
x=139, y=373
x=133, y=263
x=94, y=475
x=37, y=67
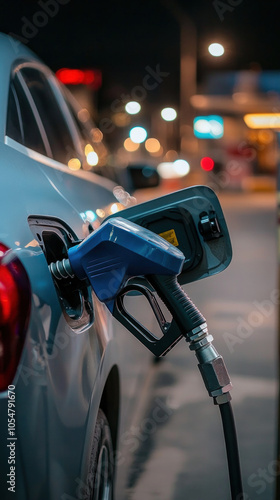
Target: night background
x=122, y=38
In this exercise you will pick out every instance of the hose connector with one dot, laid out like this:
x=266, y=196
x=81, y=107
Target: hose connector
x=211, y=365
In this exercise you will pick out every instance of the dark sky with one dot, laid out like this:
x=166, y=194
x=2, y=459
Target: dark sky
x=122, y=38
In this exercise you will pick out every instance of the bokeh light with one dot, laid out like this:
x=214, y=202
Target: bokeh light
x=202, y=126
x=90, y=215
x=207, y=163
x=74, y=164
x=96, y=134
x=173, y=170
x=168, y=114
x=216, y=49
x=88, y=149
x=114, y=208
x=83, y=115
x=181, y=167
x=152, y=145
x=138, y=134
x=92, y=158
x=130, y=146
x=208, y=127
x=100, y=212
x=132, y=107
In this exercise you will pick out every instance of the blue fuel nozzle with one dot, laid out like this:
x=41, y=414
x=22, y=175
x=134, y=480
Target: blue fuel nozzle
x=118, y=250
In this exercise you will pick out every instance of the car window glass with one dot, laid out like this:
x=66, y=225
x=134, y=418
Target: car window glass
x=58, y=134
x=95, y=151
x=21, y=124
x=83, y=132
x=14, y=127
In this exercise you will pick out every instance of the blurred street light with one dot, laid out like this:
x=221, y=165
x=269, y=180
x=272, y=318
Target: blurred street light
x=152, y=145
x=207, y=163
x=114, y=208
x=262, y=120
x=132, y=107
x=216, y=49
x=208, y=127
x=92, y=158
x=138, y=134
x=173, y=170
x=74, y=164
x=90, y=216
x=181, y=167
x=130, y=146
x=168, y=114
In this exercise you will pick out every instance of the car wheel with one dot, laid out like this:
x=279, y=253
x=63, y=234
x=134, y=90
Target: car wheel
x=101, y=460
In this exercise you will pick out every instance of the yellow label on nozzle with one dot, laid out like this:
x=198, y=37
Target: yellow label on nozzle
x=170, y=236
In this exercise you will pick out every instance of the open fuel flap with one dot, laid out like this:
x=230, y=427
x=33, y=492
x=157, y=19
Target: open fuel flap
x=193, y=221
x=55, y=238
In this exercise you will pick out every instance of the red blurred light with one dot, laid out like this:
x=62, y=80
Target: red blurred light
x=8, y=295
x=70, y=76
x=207, y=163
x=15, y=303
x=89, y=77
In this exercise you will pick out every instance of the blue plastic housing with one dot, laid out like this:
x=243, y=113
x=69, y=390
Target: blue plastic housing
x=118, y=250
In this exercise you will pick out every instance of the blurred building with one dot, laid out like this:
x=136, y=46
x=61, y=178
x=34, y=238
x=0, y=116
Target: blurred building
x=236, y=154
x=248, y=149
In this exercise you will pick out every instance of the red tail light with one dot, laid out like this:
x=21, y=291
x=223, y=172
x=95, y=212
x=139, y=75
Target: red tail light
x=15, y=301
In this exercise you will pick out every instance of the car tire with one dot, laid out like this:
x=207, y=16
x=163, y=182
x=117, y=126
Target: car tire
x=101, y=476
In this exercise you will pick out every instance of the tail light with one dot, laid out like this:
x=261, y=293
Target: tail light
x=15, y=301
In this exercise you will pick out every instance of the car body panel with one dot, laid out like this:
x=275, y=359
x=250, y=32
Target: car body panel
x=62, y=374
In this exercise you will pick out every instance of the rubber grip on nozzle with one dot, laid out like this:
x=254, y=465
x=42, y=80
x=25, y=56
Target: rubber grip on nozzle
x=183, y=310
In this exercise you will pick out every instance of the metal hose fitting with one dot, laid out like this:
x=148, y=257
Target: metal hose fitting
x=211, y=364
x=61, y=269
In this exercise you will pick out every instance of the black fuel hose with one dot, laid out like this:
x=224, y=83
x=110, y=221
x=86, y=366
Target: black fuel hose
x=188, y=318
x=232, y=451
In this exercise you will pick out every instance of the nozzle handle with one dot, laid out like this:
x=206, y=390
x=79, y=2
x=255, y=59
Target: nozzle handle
x=183, y=310
x=185, y=315
x=171, y=333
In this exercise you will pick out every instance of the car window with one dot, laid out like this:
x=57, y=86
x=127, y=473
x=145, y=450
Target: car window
x=95, y=153
x=14, y=123
x=22, y=126
x=52, y=118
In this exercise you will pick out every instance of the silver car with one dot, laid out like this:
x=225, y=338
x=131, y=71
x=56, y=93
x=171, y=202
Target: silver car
x=68, y=375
